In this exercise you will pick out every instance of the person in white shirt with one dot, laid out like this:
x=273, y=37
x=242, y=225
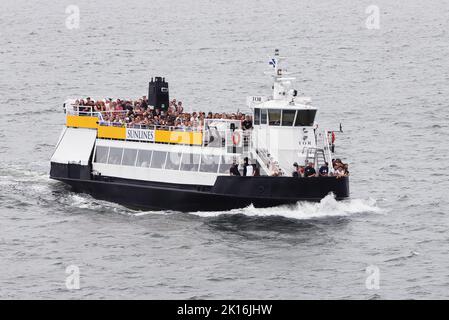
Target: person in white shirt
x=249, y=170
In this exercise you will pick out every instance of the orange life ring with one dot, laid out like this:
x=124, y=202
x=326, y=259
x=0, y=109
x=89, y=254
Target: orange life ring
x=236, y=138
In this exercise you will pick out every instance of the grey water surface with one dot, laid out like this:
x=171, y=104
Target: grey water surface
x=389, y=87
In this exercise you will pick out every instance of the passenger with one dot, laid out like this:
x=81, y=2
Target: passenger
x=256, y=170
x=247, y=123
x=339, y=170
x=309, y=171
x=108, y=104
x=129, y=110
x=345, y=167
x=180, y=108
x=234, y=170
x=144, y=103
x=249, y=170
x=274, y=171
x=301, y=171
x=89, y=102
x=295, y=173
x=245, y=166
x=324, y=170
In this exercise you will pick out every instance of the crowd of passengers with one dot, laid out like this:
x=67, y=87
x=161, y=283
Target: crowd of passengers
x=308, y=171
x=137, y=113
x=247, y=169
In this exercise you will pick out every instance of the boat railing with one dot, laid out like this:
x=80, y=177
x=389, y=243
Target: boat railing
x=77, y=110
x=151, y=127
x=327, y=150
x=326, y=147
x=271, y=166
x=89, y=111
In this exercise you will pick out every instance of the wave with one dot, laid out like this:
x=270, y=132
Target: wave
x=25, y=176
x=404, y=257
x=327, y=207
x=86, y=202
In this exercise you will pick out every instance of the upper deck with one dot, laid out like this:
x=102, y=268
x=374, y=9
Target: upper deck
x=211, y=133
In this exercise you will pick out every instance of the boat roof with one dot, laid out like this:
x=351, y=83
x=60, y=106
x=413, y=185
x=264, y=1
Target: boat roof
x=285, y=104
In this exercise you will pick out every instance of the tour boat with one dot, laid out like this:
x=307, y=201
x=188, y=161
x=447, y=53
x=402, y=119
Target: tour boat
x=169, y=168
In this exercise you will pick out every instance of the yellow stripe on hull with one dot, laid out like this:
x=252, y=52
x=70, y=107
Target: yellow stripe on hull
x=179, y=137
x=111, y=132
x=82, y=122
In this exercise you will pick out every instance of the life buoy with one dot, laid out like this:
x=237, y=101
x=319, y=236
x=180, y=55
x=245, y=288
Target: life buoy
x=236, y=138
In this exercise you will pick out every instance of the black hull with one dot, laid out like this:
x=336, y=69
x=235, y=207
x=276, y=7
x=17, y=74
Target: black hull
x=228, y=192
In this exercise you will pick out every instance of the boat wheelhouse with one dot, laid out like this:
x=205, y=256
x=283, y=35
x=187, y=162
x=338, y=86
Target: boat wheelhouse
x=188, y=168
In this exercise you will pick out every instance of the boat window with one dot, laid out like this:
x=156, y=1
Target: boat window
x=115, y=155
x=256, y=116
x=101, y=154
x=158, y=159
x=143, y=158
x=288, y=116
x=226, y=163
x=190, y=162
x=129, y=157
x=209, y=163
x=263, y=116
x=274, y=117
x=305, y=118
x=173, y=161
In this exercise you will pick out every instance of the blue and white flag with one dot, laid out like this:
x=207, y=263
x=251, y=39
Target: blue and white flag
x=272, y=62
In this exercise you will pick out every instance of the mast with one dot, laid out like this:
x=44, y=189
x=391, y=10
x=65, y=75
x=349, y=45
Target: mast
x=282, y=86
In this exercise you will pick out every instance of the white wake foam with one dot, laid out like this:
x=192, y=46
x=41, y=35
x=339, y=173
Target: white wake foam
x=85, y=201
x=17, y=174
x=327, y=207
